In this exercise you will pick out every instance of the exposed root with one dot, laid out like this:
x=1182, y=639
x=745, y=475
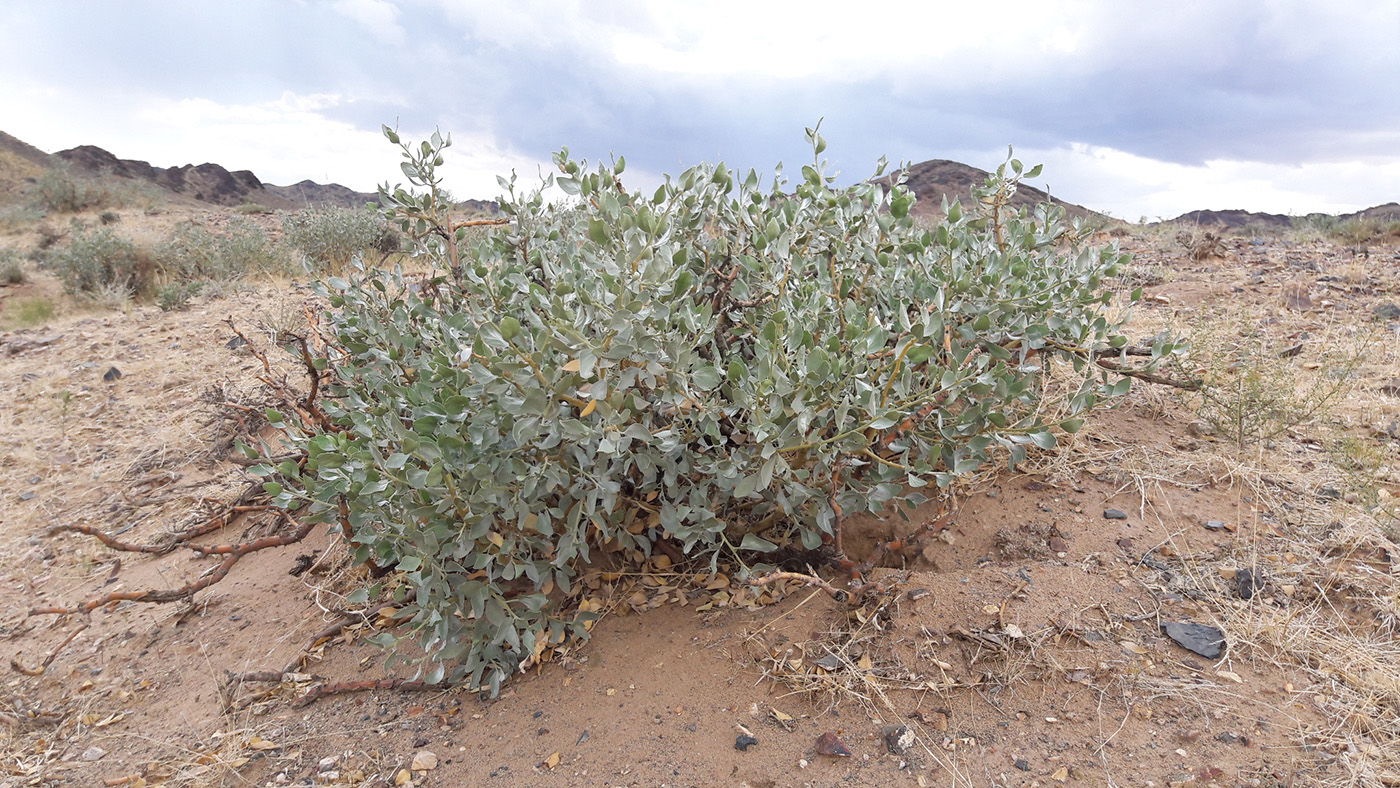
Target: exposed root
x=44, y=666
x=915, y=538
x=400, y=685
x=242, y=504
x=162, y=596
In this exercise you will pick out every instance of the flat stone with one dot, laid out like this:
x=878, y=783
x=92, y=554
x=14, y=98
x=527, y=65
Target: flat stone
x=1114, y=514
x=93, y=754
x=424, y=761
x=1200, y=639
x=1214, y=525
x=1386, y=311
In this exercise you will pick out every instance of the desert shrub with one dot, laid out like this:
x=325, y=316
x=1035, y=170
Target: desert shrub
x=1358, y=231
x=11, y=268
x=1315, y=223
x=60, y=191
x=97, y=258
x=18, y=218
x=109, y=217
x=192, y=252
x=253, y=208
x=176, y=295
x=721, y=363
x=1254, y=389
x=1201, y=244
x=331, y=237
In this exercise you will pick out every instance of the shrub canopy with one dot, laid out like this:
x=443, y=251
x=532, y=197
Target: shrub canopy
x=727, y=362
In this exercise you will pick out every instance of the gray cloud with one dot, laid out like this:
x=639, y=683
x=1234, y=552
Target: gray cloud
x=1284, y=84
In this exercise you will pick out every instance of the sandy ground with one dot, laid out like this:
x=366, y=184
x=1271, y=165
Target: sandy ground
x=1023, y=647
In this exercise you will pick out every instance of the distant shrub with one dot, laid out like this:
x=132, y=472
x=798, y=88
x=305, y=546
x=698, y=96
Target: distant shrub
x=17, y=218
x=94, y=259
x=331, y=237
x=109, y=217
x=111, y=297
x=1319, y=223
x=192, y=252
x=1358, y=231
x=59, y=190
x=1251, y=394
x=253, y=208
x=176, y=295
x=11, y=269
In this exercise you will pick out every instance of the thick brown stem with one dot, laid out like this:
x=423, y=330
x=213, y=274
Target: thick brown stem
x=401, y=685
x=1189, y=385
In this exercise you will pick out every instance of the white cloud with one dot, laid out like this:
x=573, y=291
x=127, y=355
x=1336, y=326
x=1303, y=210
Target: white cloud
x=282, y=140
x=1130, y=187
x=379, y=17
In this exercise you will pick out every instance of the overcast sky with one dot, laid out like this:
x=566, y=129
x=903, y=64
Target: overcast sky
x=1135, y=108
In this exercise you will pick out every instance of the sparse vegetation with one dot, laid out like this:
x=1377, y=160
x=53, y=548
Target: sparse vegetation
x=1256, y=390
x=28, y=312
x=176, y=295
x=109, y=217
x=59, y=190
x=331, y=237
x=193, y=253
x=252, y=208
x=97, y=259
x=1201, y=244
x=19, y=218
x=11, y=268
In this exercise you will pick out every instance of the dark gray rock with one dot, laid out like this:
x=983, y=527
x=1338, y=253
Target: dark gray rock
x=1114, y=514
x=1201, y=639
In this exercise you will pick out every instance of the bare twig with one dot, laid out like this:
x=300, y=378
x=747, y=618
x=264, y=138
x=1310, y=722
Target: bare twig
x=811, y=580
x=43, y=666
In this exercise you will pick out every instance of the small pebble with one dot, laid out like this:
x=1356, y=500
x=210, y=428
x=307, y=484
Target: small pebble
x=743, y=743
x=1114, y=514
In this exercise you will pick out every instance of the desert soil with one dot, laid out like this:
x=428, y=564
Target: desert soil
x=1025, y=646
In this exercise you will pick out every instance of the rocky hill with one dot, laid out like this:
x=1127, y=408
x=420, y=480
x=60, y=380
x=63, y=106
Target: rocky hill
x=1239, y=219
x=19, y=163
x=210, y=184
x=931, y=180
